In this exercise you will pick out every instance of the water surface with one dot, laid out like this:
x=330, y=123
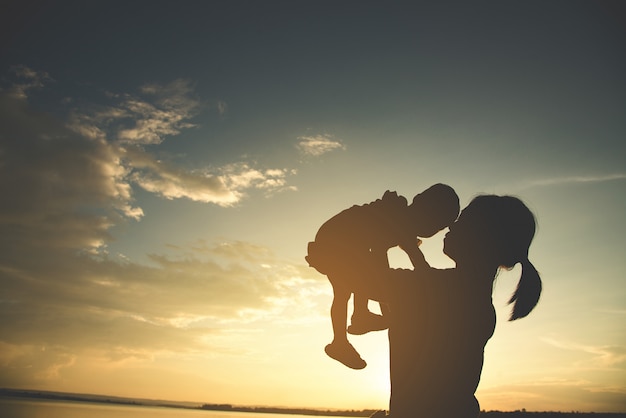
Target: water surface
x=26, y=408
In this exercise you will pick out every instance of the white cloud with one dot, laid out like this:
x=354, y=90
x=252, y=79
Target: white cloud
x=318, y=145
x=241, y=176
x=62, y=190
x=151, y=124
x=64, y=186
x=171, y=182
x=223, y=186
x=167, y=113
x=161, y=111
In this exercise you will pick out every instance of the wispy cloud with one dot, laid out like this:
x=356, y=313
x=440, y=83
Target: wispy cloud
x=66, y=183
x=62, y=307
x=318, y=145
x=136, y=124
x=27, y=79
x=223, y=186
x=146, y=119
x=70, y=181
x=167, y=114
x=602, y=356
x=173, y=182
x=242, y=176
x=557, y=181
x=59, y=189
x=222, y=108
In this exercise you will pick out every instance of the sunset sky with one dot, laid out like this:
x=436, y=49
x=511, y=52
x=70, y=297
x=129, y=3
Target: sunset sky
x=164, y=164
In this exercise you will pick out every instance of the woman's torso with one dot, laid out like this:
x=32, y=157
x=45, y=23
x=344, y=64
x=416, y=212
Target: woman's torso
x=439, y=326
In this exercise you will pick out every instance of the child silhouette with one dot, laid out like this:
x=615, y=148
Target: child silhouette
x=356, y=234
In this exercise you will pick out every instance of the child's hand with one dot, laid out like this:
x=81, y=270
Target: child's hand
x=415, y=255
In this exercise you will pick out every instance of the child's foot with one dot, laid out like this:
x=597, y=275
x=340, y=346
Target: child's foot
x=364, y=323
x=346, y=354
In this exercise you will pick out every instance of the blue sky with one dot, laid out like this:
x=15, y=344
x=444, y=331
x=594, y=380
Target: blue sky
x=164, y=165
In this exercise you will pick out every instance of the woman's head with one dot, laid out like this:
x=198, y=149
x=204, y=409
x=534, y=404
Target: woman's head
x=496, y=231
x=492, y=229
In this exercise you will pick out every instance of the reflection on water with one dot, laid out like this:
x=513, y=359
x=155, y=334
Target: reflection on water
x=19, y=408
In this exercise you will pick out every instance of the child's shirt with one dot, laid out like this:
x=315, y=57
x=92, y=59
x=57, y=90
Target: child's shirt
x=375, y=225
x=378, y=225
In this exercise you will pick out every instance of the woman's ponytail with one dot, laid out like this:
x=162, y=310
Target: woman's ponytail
x=527, y=293
x=504, y=227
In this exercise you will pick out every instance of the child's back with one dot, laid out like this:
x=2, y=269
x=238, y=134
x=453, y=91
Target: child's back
x=375, y=225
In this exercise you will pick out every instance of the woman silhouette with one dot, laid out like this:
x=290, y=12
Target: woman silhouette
x=441, y=319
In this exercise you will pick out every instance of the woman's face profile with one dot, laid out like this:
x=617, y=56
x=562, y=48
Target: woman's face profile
x=464, y=236
x=451, y=240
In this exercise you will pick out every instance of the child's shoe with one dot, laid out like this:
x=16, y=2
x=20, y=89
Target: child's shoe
x=346, y=354
x=364, y=323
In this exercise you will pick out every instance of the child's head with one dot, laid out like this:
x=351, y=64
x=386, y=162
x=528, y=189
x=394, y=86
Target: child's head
x=434, y=209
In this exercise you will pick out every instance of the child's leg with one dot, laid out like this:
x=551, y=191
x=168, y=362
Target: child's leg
x=364, y=321
x=340, y=349
x=339, y=313
x=360, y=305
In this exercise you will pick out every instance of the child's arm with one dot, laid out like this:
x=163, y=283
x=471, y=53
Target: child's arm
x=411, y=248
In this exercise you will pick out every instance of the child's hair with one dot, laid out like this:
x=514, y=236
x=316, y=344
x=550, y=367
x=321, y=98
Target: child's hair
x=439, y=202
x=507, y=229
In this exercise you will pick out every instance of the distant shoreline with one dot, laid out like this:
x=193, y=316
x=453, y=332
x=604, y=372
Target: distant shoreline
x=104, y=399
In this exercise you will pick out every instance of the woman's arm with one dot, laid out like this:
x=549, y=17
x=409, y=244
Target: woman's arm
x=376, y=281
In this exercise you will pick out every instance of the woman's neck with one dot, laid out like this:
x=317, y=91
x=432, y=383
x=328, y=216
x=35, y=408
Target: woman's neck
x=476, y=271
